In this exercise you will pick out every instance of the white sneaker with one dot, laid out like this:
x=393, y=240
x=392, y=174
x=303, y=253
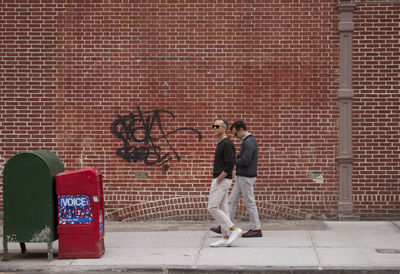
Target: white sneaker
x=220, y=243
x=234, y=235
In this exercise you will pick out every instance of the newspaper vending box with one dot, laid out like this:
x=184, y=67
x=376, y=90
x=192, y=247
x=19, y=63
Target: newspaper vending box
x=80, y=214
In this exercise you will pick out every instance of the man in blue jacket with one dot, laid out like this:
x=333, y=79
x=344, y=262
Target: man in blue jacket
x=246, y=174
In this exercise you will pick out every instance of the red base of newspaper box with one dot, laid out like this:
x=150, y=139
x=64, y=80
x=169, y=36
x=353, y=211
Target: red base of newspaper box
x=80, y=245
x=80, y=214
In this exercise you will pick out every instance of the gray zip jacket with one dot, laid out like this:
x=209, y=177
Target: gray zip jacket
x=246, y=162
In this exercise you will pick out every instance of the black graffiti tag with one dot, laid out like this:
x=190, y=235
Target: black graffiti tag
x=141, y=134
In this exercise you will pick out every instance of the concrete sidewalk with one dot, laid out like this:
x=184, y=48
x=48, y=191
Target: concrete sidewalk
x=184, y=247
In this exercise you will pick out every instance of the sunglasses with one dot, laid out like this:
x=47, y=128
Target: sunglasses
x=216, y=126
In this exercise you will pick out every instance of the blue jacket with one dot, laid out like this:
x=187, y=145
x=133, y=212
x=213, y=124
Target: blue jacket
x=246, y=162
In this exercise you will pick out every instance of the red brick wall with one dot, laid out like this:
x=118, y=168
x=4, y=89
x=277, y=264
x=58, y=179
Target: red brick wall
x=376, y=127
x=68, y=70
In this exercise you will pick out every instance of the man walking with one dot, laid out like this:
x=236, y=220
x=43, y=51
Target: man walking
x=246, y=173
x=222, y=173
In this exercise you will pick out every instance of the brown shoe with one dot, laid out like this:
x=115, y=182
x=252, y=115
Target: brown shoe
x=252, y=233
x=216, y=229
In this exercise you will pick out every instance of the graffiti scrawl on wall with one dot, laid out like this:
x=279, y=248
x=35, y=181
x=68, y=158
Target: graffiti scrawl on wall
x=142, y=134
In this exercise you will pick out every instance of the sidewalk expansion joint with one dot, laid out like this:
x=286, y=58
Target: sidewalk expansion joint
x=198, y=252
x=396, y=225
x=314, y=247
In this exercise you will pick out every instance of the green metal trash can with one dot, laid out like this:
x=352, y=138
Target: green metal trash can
x=29, y=197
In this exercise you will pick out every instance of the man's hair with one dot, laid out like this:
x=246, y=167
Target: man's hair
x=238, y=125
x=224, y=122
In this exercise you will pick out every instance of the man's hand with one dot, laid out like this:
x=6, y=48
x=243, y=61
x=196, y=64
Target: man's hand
x=221, y=177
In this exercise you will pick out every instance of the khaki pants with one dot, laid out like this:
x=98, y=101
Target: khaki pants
x=218, y=204
x=244, y=186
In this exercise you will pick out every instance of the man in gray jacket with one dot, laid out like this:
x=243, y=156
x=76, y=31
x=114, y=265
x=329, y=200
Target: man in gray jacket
x=246, y=174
